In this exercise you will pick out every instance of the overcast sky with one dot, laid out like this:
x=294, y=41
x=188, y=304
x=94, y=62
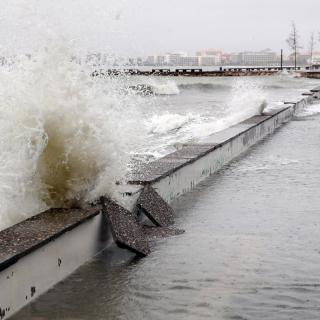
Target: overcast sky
x=141, y=27
x=232, y=25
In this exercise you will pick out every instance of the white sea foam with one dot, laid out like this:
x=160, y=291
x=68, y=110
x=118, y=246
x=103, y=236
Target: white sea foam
x=246, y=99
x=310, y=110
x=164, y=88
x=168, y=129
x=168, y=122
x=65, y=138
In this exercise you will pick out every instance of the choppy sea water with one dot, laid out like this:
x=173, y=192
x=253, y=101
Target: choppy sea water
x=191, y=108
x=250, y=250
x=67, y=138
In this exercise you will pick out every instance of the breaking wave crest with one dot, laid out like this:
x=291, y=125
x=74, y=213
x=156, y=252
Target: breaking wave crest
x=203, y=86
x=169, y=122
x=65, y=138
x=247, y=99
x=167, y=130
x=309, y=111
x=168, y=88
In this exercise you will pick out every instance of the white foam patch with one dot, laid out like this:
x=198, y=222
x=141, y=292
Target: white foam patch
x=247, y=99
x=164, y=88
x=310, y=110
x=160, y=124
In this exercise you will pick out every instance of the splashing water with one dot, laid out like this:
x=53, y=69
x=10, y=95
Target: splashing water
x=167, y=122
x=169, y=129
x=310, y=110
x=65, y=139
x=246, y=99
x=153, y=87
x=167, y=88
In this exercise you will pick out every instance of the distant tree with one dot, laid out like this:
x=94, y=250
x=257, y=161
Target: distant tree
x=293, y=42
x=311, y=47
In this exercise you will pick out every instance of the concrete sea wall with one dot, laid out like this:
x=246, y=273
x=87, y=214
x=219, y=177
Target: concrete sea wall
x=41, y=251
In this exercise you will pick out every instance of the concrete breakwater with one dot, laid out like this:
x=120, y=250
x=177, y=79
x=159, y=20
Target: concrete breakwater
x=198, y=72
x=37, y=253
x=310, y=74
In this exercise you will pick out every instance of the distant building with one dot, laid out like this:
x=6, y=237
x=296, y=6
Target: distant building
x=207, y=61
x=209, y=57
x=161, y=60
x=175, y=59
x=150, y=61
x=260, y=58
x=316, y=58
x=216, y=57
x=172, y=59
x=209, y=52
x=139, y=61
x=192, y=61
x=226, y=59
x=235, y=58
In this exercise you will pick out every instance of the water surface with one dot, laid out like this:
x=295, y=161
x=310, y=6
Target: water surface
x=250, y=251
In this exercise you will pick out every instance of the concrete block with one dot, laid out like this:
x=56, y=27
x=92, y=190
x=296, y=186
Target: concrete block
x=153, y=233
x=33, y=233
x=126, y=231
x=155, y=208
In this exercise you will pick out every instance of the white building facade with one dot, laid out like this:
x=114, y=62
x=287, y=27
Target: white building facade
x=259, y=58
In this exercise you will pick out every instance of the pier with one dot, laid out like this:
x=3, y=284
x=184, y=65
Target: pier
x=312, y=74
x=199, y=72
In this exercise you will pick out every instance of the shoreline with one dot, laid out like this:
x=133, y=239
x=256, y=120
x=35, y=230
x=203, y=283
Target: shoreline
x=58, y=241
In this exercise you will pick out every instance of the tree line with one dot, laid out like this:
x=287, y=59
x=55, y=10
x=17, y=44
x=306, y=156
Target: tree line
x=293, y=42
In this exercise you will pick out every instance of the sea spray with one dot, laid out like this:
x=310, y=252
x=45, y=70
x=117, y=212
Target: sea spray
x=65, y=138
x=165, y=88
x=155, y=87
x=168, y=122
x=309, y=111
x=246, y=98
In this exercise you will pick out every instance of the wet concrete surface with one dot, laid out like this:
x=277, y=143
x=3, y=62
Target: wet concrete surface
x=126, y=231
x=27, y=236
x=153, y=233
x=155, y=208
x=250, y=251
x=147, y=173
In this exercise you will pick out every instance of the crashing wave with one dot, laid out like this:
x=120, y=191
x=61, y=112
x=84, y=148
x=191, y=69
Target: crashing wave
x=203, y=86
x=168, y=88
x=160, y=124
x=64, y=138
